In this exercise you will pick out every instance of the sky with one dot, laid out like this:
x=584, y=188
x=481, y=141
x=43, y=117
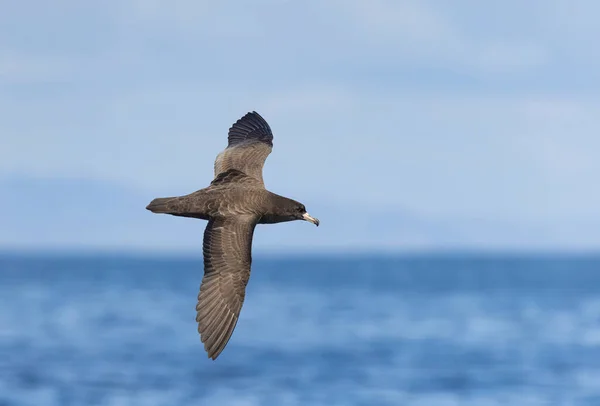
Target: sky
x=399, y=124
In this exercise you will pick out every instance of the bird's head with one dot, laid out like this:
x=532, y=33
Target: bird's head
x=300, y=213
x=282, y=209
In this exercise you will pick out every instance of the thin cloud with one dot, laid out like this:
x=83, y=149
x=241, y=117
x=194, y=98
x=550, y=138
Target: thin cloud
x=446, y=109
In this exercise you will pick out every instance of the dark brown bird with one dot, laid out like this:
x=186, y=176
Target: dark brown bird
x=234, y=203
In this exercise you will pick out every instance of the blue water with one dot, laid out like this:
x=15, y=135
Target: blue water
x=405, y=331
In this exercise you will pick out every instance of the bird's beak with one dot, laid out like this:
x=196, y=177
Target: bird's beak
x=310, y=218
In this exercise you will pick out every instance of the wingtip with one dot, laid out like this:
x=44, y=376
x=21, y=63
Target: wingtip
x=251, y=126
x=254, y=112
x=210, y=354
x=254, y=119
x=251, y=113
x=213, y=355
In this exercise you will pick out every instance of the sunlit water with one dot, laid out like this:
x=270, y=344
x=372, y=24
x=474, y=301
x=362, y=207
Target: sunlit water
x=420, y=331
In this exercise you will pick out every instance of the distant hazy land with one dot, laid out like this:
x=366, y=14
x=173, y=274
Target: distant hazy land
x=61, y=213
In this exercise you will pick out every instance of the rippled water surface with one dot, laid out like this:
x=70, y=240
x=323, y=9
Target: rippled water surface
x=372, y=331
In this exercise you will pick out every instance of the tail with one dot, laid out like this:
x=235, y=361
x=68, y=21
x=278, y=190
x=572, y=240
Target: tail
x=161, y=205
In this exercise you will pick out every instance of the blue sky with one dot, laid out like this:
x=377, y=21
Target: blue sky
x=481, y=117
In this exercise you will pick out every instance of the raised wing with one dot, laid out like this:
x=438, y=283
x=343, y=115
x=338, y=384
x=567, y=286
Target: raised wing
x=250, y=141
x=227, y=259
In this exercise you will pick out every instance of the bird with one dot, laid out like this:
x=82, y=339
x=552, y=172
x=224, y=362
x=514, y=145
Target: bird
x=233, y=204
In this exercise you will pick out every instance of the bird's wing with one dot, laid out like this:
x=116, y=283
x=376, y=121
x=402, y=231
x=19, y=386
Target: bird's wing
x=250, y=141
x=227, y=258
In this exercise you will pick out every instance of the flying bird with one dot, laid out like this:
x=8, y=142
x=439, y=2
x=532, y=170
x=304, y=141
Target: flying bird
x=234, y=203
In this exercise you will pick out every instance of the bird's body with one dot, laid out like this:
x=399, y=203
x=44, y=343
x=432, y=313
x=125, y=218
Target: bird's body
x=234, y=203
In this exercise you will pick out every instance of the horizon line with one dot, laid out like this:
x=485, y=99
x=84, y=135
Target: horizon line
x=349, y=253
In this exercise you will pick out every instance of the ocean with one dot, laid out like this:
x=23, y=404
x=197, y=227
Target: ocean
x=411, y=330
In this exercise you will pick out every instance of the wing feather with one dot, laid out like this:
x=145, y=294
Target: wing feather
x=250, y=142
x=227, y=259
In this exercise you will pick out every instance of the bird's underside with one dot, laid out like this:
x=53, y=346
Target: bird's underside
x=234, y=202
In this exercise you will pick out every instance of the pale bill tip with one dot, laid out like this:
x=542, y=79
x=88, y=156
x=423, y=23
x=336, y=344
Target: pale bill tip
x=310, y=218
